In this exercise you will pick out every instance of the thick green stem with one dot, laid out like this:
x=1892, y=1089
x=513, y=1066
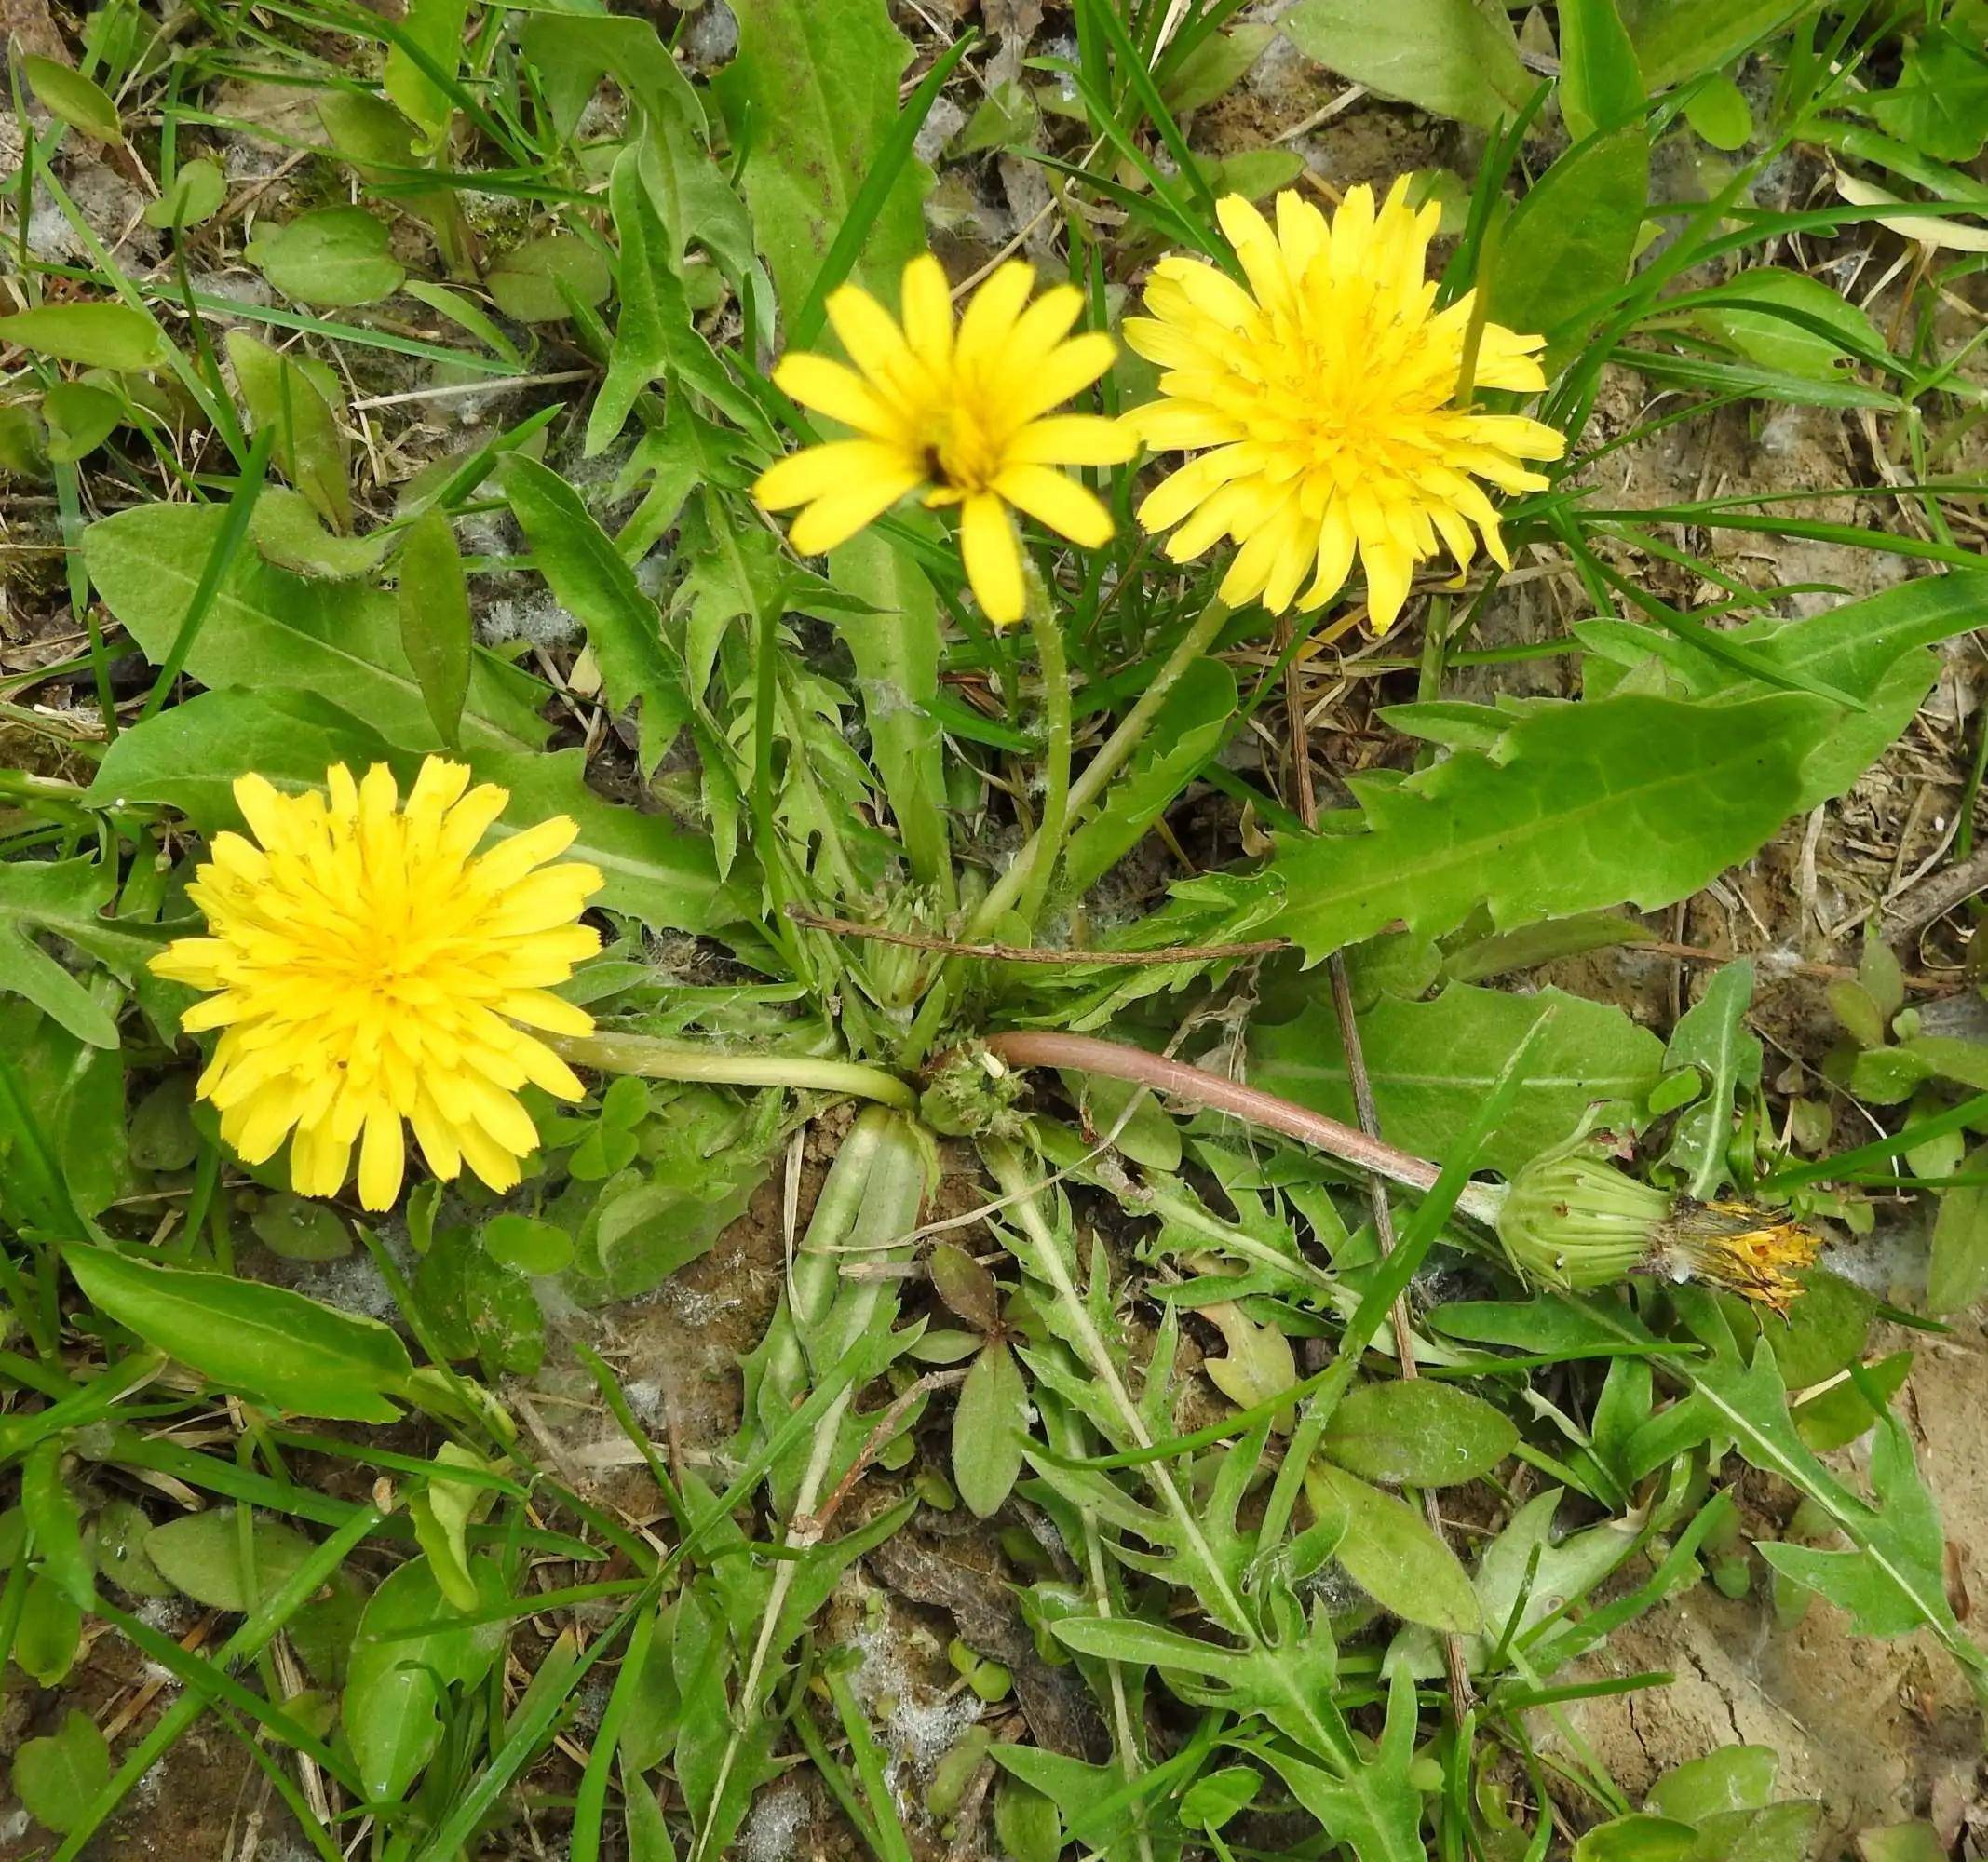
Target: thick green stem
x=655, y=1059
x=1115, y=752
x=1048, y=842
x=1112, y=756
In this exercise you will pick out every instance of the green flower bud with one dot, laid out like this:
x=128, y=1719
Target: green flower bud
x=1573, y=1221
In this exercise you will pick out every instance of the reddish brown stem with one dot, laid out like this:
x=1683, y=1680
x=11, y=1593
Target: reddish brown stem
x=1086, y=1053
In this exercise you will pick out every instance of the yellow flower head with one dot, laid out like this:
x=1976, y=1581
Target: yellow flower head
x=1325, y=398
x=1745, y=1249
x=963, y=413
x=369, y=966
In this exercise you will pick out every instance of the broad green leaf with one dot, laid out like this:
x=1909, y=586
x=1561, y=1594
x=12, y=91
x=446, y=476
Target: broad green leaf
x=696, y=204
x=835, y=65
x=1631, y=798
x=1432, y=1063
x=988, y=1425
x=478, y=1308
x=76, y=1093
x=380, y=144
x=1215, y=1797
x=55, y=1519
x=1601, y=83
x=1214, y=66
x=1188, y=730
x=656, y=337
x=1568, y=246
x=287, y=534
x=1416, y=1434
x=1837, y=1416
x=1897, y=1585
x=199, y=188
x=1552, y=1322
x=301, y=1228
x=395, y=1687
x=50, y=1632
x=80, y=419
x=301, y=406
x=570, y=52
x=121, y=1528
x=588, y=575
x=336, y=256
x=67, y=898
x=1454, y=58
x=442, y=1511
x=1526, y=1554
x=532, y=282
x=1149, y=1645
x=1252, y=172
x=1374, y=1807
x=1874, y=650
x=640, y=354
x=1735, y=1777
x=1637, y=1838
x=1718, y=110
x=339, y=641
x=435, y=28
x=1027, y=1824
x=96, y=335
x=1258, y=1364
x=432, y=596
x=201, y=1555
x=1779, y=342
x=1532, y=945
x=1711, y=1036
x=57, y=1777
x=79, y=101
x=291, y=1351
x=1956, y=1276
x=1826, y=1330
x=1939, y=104
x=188, y=755
x=526, y=1244
x=1680, y=39
x=1388, y=1550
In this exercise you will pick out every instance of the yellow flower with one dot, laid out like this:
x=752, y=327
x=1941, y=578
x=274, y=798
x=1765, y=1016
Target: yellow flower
x=963, y=413
x=1324, y=395
x=369, y=966
x=1745, y=1249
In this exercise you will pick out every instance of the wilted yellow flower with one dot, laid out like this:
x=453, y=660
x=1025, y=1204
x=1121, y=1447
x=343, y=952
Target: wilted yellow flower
x=963, y=413
x=1324, y=395
x=369, y=967
x=1743, y=1248
x=1571, y=1220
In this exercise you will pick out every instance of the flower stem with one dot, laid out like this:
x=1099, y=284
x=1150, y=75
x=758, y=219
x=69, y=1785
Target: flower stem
x=1110, y=758
x=1047, y=844
x=659, y=1060
x=1114, y=753
x=1085, y=1053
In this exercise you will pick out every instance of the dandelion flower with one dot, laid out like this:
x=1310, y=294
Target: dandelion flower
x=1321, y=404
x=962, y=413
x=369, y=968
x=1572, y=1220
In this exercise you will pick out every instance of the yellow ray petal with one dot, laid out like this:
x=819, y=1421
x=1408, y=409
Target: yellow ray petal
x=992, y=557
